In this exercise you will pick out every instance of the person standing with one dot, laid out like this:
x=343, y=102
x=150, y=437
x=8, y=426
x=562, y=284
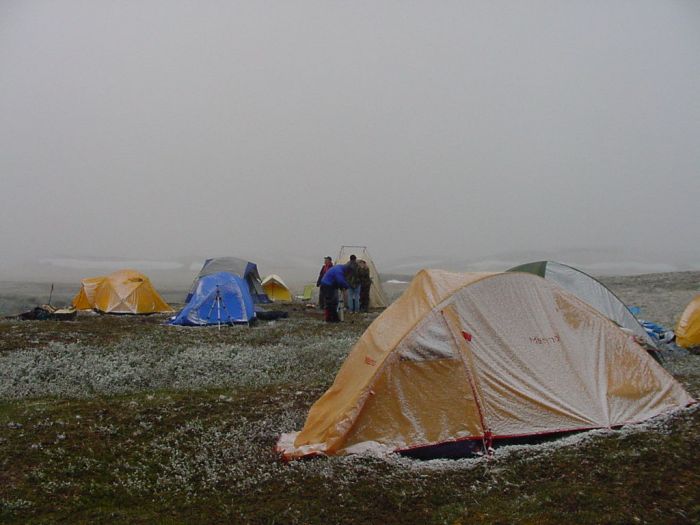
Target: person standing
x=333, y=280
x=327, y=265
x=365, y=284
x=354, y=286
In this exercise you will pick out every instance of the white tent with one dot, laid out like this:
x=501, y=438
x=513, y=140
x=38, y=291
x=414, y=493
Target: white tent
x=377, y=296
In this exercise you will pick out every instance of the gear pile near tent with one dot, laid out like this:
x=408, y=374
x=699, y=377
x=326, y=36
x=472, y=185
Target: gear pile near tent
x=48, y=312
x=589, y=290
x=463, y=361
x=688, y=329
x=220, y=298
x=245, y=269
x=377, y=295
x=122, y=292
x=275, y=289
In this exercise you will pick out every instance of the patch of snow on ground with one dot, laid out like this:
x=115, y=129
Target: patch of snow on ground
x=532, y=452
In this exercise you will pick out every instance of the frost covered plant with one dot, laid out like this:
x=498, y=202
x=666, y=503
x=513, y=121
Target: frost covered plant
x=54, y=487
x=15, y=504
x=73, y=370
x=199, y=458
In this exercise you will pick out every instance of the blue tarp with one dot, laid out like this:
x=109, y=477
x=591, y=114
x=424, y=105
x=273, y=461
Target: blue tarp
x=656, y=331
x=219, y=298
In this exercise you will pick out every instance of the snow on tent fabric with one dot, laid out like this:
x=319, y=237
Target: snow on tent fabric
x=220, y=298
x=85, y=299
x=122, y=292
x=275, y=289
x=589, y=290
x=688, y=329
x=236, y=266
x=466, y=358
x=377, y=295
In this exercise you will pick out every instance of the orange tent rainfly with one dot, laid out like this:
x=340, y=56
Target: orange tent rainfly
x=688, y=329
x=461, y=361
x=122, y=292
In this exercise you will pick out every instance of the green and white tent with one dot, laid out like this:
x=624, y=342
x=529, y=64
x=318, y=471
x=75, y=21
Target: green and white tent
x=590, y=291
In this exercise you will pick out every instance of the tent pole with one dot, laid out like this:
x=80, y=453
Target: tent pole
x=218, y=307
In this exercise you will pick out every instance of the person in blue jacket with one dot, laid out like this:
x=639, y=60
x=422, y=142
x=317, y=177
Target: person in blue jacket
x=333, y=280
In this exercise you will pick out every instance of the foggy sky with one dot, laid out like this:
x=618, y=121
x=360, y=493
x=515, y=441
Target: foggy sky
x=157, y=129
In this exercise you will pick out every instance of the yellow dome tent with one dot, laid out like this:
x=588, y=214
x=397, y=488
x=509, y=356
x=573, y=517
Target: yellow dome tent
x=470, y=359
x=122, y=292
x=688, y=329
x=275, y=289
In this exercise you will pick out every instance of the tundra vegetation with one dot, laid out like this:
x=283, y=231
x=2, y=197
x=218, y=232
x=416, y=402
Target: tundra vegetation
x=127, y=420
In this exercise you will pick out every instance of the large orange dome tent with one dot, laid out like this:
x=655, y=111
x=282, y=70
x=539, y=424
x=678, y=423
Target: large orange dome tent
x=591, y=291
x=121, y=292
x=464, y=359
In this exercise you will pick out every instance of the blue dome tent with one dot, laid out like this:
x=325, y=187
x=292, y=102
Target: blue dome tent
x=240, y=267
x=219, y=298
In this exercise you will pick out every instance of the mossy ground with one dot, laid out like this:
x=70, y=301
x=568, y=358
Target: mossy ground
x=163, y=453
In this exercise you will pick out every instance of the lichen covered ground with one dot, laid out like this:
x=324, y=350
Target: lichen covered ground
x=127, y=420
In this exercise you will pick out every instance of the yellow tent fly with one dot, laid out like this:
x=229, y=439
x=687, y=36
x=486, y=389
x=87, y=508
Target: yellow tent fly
x=688, y=329
x=122, y=292
x=275, y=289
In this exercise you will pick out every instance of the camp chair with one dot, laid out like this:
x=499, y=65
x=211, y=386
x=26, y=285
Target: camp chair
x=308, y=292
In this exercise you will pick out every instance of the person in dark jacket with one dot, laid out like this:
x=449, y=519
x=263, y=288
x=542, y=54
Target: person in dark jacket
x=353, y=301
x=365, y=283
x=327, y=265
x=332, y=281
